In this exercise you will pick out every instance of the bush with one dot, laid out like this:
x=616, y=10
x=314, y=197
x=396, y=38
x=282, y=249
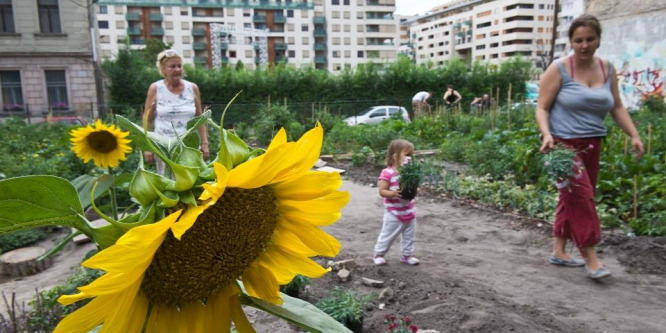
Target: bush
x=269, y=120
x=21, y=238
x=655, y=104
x=345, y=305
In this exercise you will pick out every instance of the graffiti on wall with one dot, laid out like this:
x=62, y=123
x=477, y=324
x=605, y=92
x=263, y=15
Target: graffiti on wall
x=641, y=73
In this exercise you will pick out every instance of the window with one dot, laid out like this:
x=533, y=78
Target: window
x=346, y=2
x=335, y=2
x=103, y=10
x=56, y=89
x=359, y=54
x=49, y=17
x=103, y=24
x=378, y=113
x=304, y=27
x=290, y=13
x=292, y=54
x=336, y=54
x=12, y=97
x=6, y=16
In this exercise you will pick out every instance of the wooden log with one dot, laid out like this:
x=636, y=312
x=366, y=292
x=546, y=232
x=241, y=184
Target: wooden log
x=23, y=261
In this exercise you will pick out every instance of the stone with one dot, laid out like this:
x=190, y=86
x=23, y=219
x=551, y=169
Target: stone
x=386, y=294
x=372, y=283
x=347, y=263
x=344, y=275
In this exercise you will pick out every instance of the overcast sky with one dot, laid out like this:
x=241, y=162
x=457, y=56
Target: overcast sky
x=413, y=7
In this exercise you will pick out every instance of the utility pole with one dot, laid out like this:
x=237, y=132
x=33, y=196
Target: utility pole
x=554, y=37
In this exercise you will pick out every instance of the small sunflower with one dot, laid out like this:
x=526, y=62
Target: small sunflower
x=258, y=223
x=105, y=145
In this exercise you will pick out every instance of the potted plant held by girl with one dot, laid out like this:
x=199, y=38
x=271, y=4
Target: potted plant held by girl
x=410, y=178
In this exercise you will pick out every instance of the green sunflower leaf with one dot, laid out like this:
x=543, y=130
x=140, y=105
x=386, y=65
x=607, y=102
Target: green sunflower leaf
x=191, y=137
x=84, y=184
x=145, y=140
x=147, y=186
x=36, y=201
x=233, y=150
x=299, y=312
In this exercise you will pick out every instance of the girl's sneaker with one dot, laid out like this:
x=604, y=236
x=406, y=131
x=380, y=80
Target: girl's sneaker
x=379, y=260
x=411, y=260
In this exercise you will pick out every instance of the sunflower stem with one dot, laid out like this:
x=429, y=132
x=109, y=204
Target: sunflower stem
x=112, y=194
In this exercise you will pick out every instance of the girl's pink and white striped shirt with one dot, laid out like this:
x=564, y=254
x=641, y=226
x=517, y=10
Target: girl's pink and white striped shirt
x=404, y=210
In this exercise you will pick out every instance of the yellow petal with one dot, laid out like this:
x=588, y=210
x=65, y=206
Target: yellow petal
x=69, y=299
x=116, y=321
x=333, y=202
x=260, y=283
x=279, y=139
x=286, y=239
x=313, y=237
x=303, y=157
x=220, y=308
x=216, y=190
x=259, y=171
x=312, y=185
x=88, y=317
x=193, y=318
x=187, y=220
x=238, y=316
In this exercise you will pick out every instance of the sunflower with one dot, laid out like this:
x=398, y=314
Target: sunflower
x=258, y=223
x=105, y=145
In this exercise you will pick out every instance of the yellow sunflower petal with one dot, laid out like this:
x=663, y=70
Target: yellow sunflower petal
x=304, y=155
x=163, y=319
x=260, y=283
x=285, y=265
x=116, y=321
x=280, y=164
x=69, y=299
x=288, y=240
x=105, y=145
x=137, y=314
x=279, y=139
x=193, y=315
x=187, y=220
x=88, y=317
x=220, y=308
x=312, y=185
x=313, y=237
x=238, y=316
x=329, y=203
x=217, y=189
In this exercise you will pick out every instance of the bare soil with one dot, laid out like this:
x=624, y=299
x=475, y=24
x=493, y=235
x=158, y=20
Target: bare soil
x=480, y=271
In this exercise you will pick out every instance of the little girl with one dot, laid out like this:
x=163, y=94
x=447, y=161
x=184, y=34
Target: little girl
x=399, y=214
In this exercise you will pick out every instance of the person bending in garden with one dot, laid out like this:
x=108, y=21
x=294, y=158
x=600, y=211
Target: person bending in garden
x=399, y=214
x=576, y=94
x=419, y=102
x=170, y=103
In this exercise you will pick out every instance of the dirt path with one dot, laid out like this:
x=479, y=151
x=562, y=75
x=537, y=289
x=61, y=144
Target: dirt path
x=484, y=272
x=480, y=272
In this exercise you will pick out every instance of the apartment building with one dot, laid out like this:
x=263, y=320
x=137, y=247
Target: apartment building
x=325, y=34
x=483, y=30
x=46, y=58
x=569, y=10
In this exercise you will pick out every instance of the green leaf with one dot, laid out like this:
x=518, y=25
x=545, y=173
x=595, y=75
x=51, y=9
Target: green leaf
x=84, y=184
x=191, y=137
x=299, y=312
x=147, y=186
x=35, y=201
x=233, y=150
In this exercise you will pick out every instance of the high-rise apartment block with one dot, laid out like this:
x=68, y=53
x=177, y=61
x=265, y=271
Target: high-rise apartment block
x=326, y=34
x=482, y=30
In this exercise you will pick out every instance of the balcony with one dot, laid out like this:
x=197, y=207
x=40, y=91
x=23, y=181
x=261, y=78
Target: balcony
x=320, y=46
x=134, y=31
x=198, y=46
x=281, y=59
x=156, y=17
x=259, y=19
x=319, y=20
x=157, y=31
x=280, y=46
x=133, y=16
x=320, y=33
x=224, y=46
x=280, y=19
x=201, y=60
x=224, y=59
x=320, y=60
x=198, y=32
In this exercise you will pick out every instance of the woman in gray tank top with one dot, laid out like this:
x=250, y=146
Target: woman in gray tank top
x=576, y=94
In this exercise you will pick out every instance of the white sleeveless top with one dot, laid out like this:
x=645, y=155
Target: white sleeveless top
x=173, y=111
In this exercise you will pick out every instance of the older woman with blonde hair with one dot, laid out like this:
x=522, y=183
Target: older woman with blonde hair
x=171, y=103
x=576, y=94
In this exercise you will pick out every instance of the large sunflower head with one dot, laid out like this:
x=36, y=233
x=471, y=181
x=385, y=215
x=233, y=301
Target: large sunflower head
x=105, y=145
x=256, y=223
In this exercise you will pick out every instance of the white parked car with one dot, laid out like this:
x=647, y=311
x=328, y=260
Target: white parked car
x=377, y=114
